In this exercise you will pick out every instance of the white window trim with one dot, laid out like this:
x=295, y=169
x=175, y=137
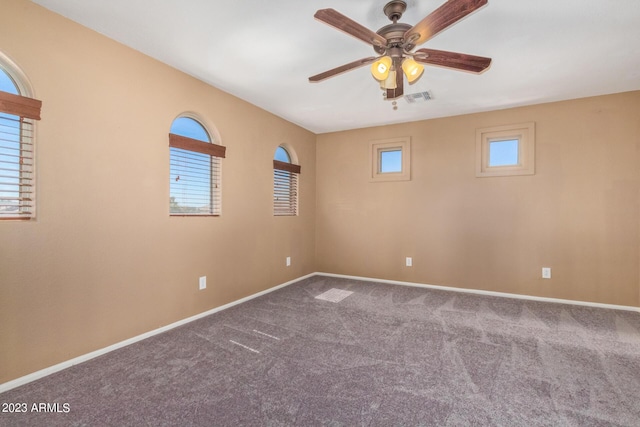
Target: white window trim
x=403, y=144
x=524, y=133
x=19, y=77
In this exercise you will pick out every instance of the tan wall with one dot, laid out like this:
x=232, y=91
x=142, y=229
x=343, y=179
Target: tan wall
x=579, y=214
x=104, y=261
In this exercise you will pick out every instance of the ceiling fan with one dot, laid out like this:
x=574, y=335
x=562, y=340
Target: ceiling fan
x=395, y=42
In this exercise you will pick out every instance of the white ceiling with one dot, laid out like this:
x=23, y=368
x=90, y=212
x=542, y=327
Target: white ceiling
x=264, y=52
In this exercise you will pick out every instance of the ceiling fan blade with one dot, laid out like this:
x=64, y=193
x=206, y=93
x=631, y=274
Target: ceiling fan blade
x=444, y=16
x=399, y=90
x=339, y=21
x=343, y=68
x=458, y=61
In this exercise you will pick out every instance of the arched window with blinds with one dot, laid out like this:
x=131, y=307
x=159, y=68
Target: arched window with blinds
x=18, y=114
x=285, y=183
x=195, y=170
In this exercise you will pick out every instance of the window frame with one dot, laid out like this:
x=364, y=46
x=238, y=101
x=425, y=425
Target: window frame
x=209, y=148
x=402, y=144
x=524, y=133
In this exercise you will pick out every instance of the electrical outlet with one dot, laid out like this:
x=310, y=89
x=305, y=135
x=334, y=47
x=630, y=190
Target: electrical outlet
x=288, y=261
x=546, y=272
x=203, y=282
x=409, y=261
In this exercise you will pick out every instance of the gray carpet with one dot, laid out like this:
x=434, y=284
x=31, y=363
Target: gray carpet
x=384, y=356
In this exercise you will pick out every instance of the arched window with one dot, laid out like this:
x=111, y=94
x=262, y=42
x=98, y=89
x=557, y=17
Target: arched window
x=7, y=84
x=195, y=169
x=285, y=183
x=282, y=155
x=17, y=144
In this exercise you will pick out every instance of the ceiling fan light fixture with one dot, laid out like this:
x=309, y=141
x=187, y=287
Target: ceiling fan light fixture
x=412, y=69
x=396, y=41
x=389, y=82
x=380, y=68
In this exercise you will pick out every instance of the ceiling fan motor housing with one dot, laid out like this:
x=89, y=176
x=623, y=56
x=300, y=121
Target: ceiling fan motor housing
x=394, y=33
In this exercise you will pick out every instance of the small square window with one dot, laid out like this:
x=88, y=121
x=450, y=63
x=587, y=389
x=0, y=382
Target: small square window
x=505, y=150
x=503, y=153
x=390, y=160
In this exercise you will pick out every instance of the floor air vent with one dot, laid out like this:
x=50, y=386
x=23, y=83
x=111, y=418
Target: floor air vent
x=415, y=98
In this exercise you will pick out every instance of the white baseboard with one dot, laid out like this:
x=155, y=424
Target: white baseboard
x=483, y=292
x=67, y=364
x=77, y=360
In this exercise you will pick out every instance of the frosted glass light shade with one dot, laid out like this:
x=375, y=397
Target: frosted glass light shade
x=380, y=68
x=390, y=81
x=412, y=69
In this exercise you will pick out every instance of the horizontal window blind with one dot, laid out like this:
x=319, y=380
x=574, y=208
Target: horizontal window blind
x=290, y=167
x=18, y=105
x=190, y=144
x=195, y=177
x=285, y=188
x=17, y=169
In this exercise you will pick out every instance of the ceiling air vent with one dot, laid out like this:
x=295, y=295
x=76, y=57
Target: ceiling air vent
x=415, y=98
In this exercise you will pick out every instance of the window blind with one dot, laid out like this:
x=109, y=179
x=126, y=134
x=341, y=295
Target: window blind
x=17, y=168
x=195, y=176
x=285, y=188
